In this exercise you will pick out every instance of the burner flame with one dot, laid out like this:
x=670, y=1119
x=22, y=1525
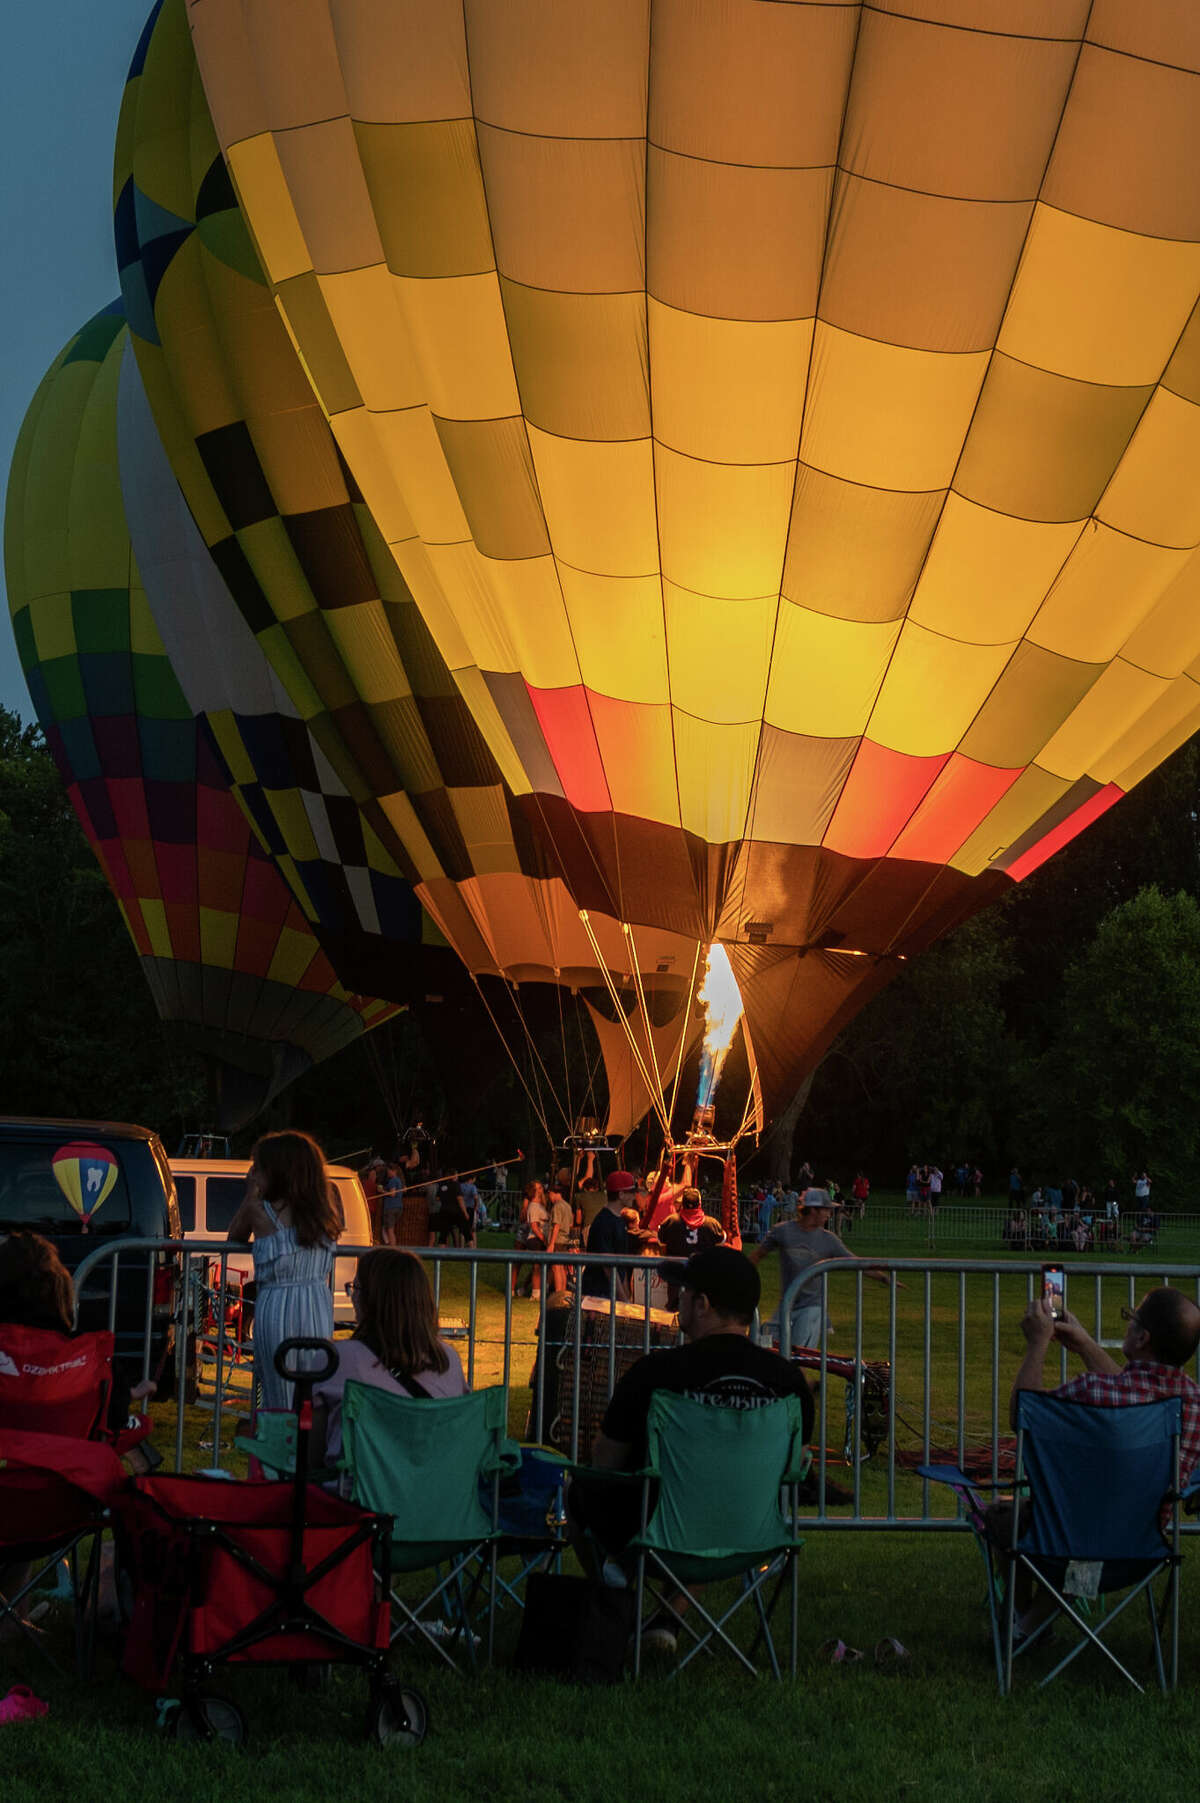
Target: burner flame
x=722, y=1003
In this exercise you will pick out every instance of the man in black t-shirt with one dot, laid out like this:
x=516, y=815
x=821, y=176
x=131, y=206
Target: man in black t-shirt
x=608, y=1233
x=450, y=1223
x=688, y=1231
x=718, y=1293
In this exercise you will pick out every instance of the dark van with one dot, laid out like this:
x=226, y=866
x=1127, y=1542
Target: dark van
x=86, y=1184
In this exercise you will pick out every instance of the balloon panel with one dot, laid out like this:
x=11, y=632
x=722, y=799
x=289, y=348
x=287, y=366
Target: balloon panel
x=86, y=1174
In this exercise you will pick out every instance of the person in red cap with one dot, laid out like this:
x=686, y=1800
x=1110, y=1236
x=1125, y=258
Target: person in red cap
x=608, y=1233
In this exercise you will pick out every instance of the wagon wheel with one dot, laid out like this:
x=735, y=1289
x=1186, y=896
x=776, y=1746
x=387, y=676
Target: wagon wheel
x=397, y=1717
x=210, y=1718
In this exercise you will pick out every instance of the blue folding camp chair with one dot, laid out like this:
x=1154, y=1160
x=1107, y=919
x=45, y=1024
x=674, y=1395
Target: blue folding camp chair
x=1098, y=1479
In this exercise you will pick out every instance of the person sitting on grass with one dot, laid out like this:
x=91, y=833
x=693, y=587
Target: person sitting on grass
x=1161, y=1337
x=718, y=1363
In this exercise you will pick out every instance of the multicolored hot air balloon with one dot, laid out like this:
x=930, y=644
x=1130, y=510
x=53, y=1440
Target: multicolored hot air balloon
x=710, y=473
x=224, y=945
x=86, y=1174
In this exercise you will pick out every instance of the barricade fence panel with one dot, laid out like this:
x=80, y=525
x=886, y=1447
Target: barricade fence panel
x=912, y=1364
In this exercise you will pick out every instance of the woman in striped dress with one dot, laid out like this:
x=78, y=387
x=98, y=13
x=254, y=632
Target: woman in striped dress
x=291, y=1214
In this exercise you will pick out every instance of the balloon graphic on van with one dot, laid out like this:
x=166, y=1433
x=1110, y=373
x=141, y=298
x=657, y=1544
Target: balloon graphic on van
x=86, y=1175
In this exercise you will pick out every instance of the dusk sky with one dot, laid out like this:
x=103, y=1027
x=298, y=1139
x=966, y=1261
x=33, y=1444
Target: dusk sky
x=61, y=84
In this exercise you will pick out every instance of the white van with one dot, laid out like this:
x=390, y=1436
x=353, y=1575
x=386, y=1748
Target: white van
x=210, y=1191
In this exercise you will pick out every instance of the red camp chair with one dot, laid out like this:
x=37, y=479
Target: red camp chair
x=59, y=1468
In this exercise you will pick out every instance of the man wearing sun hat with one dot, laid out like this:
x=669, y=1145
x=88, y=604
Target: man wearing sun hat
x=801, y=1244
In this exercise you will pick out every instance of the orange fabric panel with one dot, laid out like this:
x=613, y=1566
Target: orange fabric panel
x=882, y=790
x=566, y=722
x=962, y=796
x=1064, y=833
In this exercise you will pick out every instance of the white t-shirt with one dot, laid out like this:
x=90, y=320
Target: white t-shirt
x=358, y=1364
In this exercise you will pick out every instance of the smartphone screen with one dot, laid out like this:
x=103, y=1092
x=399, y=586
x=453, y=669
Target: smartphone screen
x=1054, y=1290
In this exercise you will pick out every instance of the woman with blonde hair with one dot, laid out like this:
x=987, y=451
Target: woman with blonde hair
x=291, y=1214
x=395, y=1344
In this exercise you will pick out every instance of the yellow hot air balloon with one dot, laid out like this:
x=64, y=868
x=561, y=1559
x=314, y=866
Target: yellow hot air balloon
x=785, y=419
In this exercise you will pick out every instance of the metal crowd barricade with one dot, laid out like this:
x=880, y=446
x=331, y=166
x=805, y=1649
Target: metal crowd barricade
x=1000, y=1323
x=944, y=1354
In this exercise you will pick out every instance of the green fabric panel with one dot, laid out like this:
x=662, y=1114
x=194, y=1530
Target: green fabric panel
x=422, y=1461
x=93, y=342
x=156, y=689
x=101, y=617
x=64, y=686
x=720, y=1471
x=23, y=633
x=225, y=236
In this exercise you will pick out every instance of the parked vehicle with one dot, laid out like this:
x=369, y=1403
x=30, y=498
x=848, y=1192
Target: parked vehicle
x=210, y=1190
x=84, y=1184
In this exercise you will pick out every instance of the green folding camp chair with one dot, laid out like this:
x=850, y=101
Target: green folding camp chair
x=720, y=1475
x=427, y=1463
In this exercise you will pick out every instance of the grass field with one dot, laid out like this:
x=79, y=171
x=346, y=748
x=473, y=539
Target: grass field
x=935, y=1729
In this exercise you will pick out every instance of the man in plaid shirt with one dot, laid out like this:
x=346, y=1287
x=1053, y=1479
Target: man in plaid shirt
x=1161, y=1337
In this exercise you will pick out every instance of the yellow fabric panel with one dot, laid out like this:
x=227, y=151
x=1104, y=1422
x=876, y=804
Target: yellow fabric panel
x=563, y=71
x=291, y=957
x=364, y=310
x=1183, y=371
x=469, y=583
x=52, y=622
x=427, y=191
x=400, y=814
x=295, y=883
x=599, y=503
x=715, y=767
x=295, y=48
x=743, y=83
x=47, y=549
x=266, y=205
x=1154, y=493
x=179, y=443
x=486, y=829
x=1107, y=587
x=933, y=690
x=1035, y=693
x=233, y=750
x=730, y=390
x=460, y=340
x=492, y=471
x=378, y=856
x=423, y=584
x=719, y=653
x=1175, y=720
x=580, y=360
x=1033, y=792
x=1169, y=637
x=825, y=672
x=987, y=574
x=1119, y=698
x=363, y=637
x=886, y=415
x=301, y=306
x=566, y=213
x=288, y=807
x=192, y=351
x=1044, y=446
x=638, y=754
x=723, y=527
x=278, y=651
x=362, y=438
x=1098, y=304
x=161, y=115
x=270, y=555
x=296, y=454
x=98, y=550
x=616, y=626
x=144, y=637
x=486, y=716
x=410, y=444
x=154, y=914
x=218, y=938
x=321, y=167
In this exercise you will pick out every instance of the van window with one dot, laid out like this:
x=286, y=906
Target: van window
x=185, y=1189
x=90, y=1173
x=222, y=1198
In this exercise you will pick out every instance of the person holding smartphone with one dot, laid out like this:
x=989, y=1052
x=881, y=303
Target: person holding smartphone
x=1161, y=1337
